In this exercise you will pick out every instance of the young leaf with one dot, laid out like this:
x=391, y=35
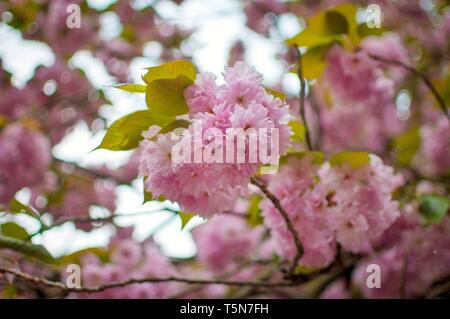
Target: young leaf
x=3, y=121
x=17, y=207
x=299, y=131
x=13, y=230
x=26, y=248
x=126, y=132
x=174, y=125
x=433, y=207
x=254, y=213
x=276, y=93
x=185, y=218
x=76, y=257
x=9, y=292
x=354, y=159
x=406, y=146
x=327, y=27
x=166, y=96
x=348, y=11
x=148, y=196
x=133, y=88
x=364, y=31
x=314, y=61
x=171, y=70
x=335, y=23
x=303, y=270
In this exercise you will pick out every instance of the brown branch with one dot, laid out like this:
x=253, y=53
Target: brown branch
x=91, y=172
x=334, y=274
x=403, y=276
x=439, y=290
x=420, y=75
x=316, y=108
x=302, y=100
x=196, y=288
x=124, y=283
x=276, y=202
x=88, y=219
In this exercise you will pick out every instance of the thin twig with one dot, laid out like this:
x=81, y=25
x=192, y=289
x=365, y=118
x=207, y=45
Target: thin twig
x=196, y=288
x=331, y=278
x=420, y=75
x=316, y=108
x=276, y=202
x=403, y=279
x=302, y=100
x=124, y=283
x=92, y=172
x=439, y=290
x=88, y=219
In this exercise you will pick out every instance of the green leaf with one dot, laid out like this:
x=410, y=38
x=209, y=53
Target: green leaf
x=17, y=207
x=126, y=132
x=317, y=157
x=185, y=218
x=27, y=248
x=327, y=27
x=299, y=131
x=309, y=39
x=442, y=85
x=76, y=257
x=148, y=196
x=317, y=32
x=314, y=61
x=276, y=93
x=364, y=31
x=405, y=146
x=171, y=70
x=174, y=125
x=13, y=230
x=303, y=270
x=134, y=88
x=3, y=121
x=433, y=207
x=9, y=292
x=336, y=23
x=254, y=217
x=354, y=159
x=348, y=11
x=166, y=96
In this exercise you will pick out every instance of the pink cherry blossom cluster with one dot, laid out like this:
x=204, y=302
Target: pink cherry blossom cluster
x=128, y=260
x=75, y=99
x=225, y=239
x=433, y=157
x=50, y=25
x=25, y=159
x=330, y=205
x=58, y=97
x=420, y=255
x=257, y=13
x=357, y=95
x=208, y=188
x=79, y=197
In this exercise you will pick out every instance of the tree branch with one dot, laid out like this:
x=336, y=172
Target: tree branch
x=119, y=284
x=88, y=219
x=420, y=75
x=276, y=202
x=403, y=276
x=302, y=100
